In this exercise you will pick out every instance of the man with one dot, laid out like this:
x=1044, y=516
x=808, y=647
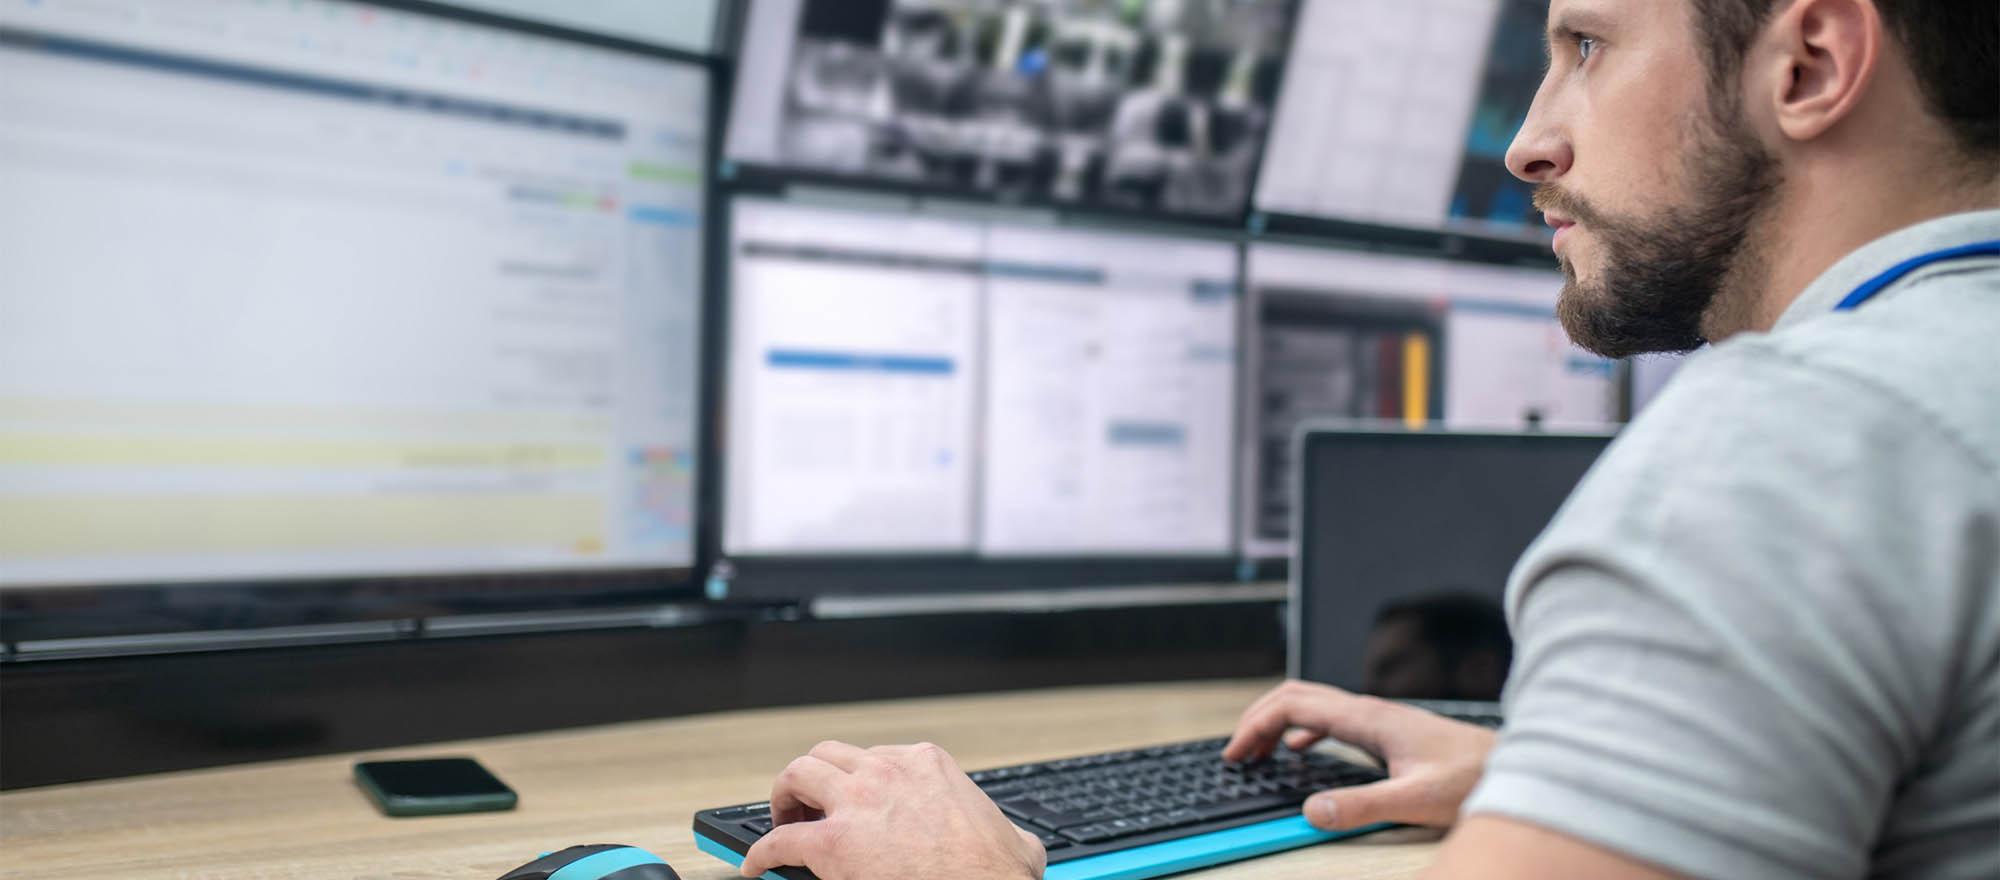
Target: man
x=1763, y=637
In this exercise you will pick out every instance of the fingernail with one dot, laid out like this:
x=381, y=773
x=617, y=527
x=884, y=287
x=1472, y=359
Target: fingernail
x=1321, y=811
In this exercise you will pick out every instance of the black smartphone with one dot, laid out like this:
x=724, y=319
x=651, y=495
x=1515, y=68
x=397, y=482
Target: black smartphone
x=433, y=787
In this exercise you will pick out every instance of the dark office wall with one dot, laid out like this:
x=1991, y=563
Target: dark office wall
x=65, y=721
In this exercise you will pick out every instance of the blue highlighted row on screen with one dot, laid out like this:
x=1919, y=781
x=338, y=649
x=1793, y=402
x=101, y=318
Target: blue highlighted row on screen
x=1147, y=434
x=1504, y=308
x=659, y=216
x=358, y=91
x=798, y=359
x=1584, y=365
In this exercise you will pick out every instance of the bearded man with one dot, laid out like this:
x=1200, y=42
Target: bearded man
x=1762, y=639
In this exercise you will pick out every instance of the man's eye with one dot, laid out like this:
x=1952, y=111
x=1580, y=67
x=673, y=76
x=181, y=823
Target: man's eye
x=1585, y=47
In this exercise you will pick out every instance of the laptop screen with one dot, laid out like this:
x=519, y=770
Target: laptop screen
x=1405, y=543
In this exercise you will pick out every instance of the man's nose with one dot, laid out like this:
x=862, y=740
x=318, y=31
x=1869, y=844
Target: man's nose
x=1540, y=152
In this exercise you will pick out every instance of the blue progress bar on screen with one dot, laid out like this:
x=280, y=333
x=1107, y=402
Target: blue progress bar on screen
x=1503, y=308
x=659, y=216
x=1147, y=434
x=387, y=97
x=795, y=359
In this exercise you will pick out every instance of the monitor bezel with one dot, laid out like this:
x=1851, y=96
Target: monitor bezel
x=1308, y=437
x=133, y=608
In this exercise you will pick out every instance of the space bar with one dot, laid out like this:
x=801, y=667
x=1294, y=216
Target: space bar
x=1230, y=809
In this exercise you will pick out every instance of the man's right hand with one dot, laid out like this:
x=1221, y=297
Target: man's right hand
x=1433, y=761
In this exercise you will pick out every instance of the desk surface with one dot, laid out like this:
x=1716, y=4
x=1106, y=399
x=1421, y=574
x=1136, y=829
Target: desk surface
x=636, y=783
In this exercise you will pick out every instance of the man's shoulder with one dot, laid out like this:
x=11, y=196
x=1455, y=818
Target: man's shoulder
x=1788, y=560
x=1921, y=365
x=1837, y=433
x=1929, y=355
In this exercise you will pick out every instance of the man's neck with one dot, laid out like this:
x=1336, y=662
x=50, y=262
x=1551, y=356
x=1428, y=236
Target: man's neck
x=1816, y=223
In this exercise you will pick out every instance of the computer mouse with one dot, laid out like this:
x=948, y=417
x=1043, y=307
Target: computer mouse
x=598, y=861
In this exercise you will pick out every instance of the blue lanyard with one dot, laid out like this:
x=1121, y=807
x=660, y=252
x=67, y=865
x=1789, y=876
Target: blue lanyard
x=1895, y=273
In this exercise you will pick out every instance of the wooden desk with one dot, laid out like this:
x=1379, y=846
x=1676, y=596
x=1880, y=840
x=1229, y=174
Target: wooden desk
x=633, y=783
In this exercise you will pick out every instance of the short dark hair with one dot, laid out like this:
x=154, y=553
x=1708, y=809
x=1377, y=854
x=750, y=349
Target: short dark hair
x=1953, y=46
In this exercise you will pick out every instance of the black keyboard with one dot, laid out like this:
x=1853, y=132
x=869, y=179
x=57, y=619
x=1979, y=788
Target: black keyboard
x=1097, y=798
x=1101, y=803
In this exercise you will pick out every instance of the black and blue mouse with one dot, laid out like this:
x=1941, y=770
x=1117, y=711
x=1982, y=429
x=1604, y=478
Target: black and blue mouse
x=599, y=861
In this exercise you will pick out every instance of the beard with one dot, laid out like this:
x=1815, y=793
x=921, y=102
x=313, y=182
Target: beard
x=1664, y=272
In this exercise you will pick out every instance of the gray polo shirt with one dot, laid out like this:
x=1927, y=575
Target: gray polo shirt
x=1762, y=639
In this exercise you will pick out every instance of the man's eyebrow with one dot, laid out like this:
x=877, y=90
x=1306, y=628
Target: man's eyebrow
x=1571, y=22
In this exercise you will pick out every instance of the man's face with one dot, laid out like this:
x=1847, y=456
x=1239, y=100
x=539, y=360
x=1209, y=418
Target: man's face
x=1400, y=663
x=1651, y=178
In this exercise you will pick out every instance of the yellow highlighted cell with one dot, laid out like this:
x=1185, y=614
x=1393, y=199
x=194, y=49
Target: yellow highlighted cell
x=44, y=527
x=104, y=450
x=143, y=415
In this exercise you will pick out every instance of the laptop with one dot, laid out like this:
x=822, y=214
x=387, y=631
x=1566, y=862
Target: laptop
x=1404, y=542
x=1366, y=614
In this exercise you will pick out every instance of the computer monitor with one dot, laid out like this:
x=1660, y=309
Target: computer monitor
x=1400, y=114
x=1156, y=107
x=1350, y=334
x=1650, y=373
x=909, y=385
x=1406, y=540
x=297, y=292
x=854, y=381
x=1109, y=423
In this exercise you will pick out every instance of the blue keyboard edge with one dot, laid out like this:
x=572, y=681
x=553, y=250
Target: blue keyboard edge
x=703, y=843
x=1160, y=859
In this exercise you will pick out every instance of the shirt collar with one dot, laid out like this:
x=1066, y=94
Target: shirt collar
x=1877, y=256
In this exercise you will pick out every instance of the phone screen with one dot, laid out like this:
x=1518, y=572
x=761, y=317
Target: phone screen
x=440, y=777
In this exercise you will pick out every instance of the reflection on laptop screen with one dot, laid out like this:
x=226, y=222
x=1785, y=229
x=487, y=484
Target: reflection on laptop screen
x=1406, y=541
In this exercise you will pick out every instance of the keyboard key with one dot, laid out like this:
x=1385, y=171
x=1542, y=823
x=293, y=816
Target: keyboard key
x=1088, y=834
x=1049, y=839
x=1232, y=808
x=1042, y=817
x=1009, y=788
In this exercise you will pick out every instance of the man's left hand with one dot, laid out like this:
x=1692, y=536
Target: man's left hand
x=889, y=813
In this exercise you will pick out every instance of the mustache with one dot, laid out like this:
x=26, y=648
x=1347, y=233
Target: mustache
x=1549, y=197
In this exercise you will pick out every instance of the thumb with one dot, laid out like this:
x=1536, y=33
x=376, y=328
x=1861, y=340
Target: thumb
x=1391, y=800
x=795, y=843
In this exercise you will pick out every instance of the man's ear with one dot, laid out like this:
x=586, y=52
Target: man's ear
x=1821, y=57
